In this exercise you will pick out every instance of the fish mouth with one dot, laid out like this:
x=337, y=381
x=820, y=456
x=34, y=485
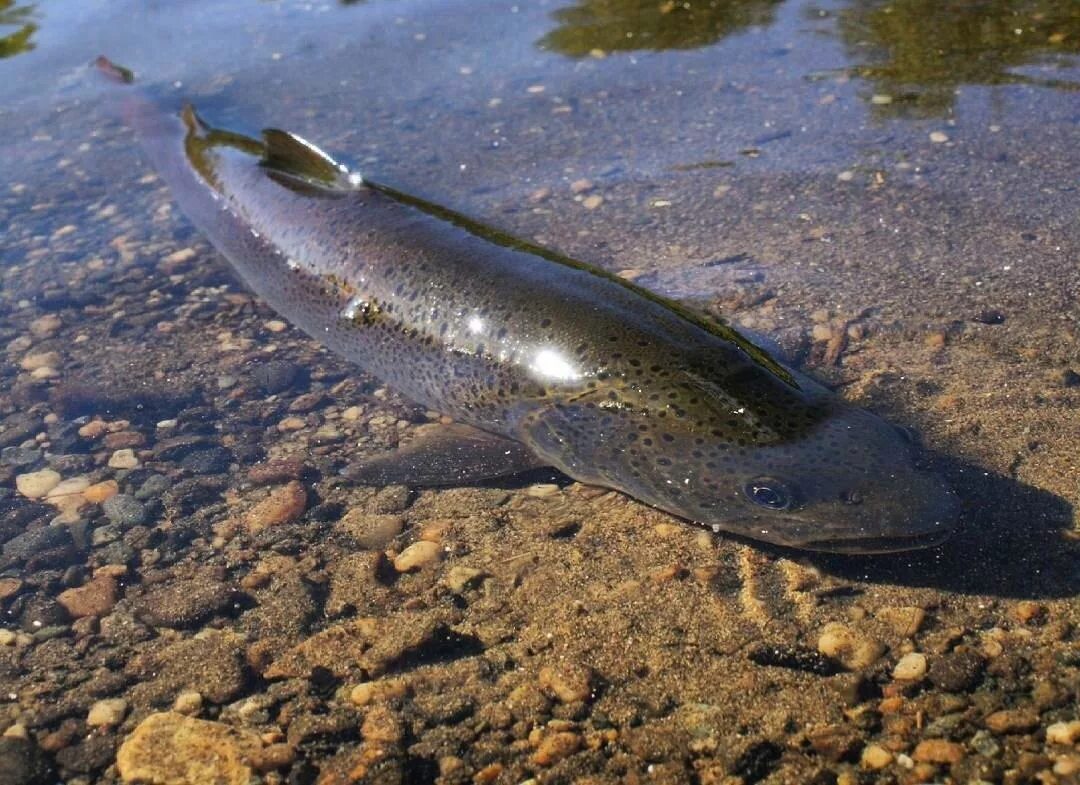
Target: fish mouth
x=873, y=545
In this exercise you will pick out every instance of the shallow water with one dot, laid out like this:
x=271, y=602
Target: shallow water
x=889, y=190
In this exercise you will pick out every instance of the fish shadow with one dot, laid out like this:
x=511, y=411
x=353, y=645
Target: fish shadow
x=1011, y=542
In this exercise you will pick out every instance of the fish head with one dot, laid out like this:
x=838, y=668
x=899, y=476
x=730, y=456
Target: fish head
x=800, y=468
x=851, y=484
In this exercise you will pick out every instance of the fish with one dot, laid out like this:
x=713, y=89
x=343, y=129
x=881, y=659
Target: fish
x=538, y=359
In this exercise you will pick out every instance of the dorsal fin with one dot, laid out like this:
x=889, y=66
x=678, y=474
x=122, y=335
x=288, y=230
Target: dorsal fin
x=290, y=155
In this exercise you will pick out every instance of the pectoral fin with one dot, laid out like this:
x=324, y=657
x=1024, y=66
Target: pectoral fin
x=446, y=455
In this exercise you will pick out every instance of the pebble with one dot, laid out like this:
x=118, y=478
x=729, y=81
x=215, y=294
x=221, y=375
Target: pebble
x=109, y=712
x=122, y=439
x=592, y=201
x=96, y=598
x=33, y=361
x=46, y=325
x=34, y=485
x=284, y=505
x=568, y=682
x=875, y=757
x=188, y=702
x=418, y=555
x=382, y=725
x=459, y=578
x=911, y=667
x=169, y=747
x=276, y=326
x=581, y=186
x=123, y=459
x=124, y=510
x=1063, y=732
x=956, y=671
x=939, y=137
x=179, y=257
x=212, y=460
x=9, y=587
x=556, y=746
x=371, y=531
x=276, y=376
x=985, y=744
x=371, y=691
x=67, y=495
x=184, y=603
x=155, y=486
x=906, y=620
x=854, y=651
x=938, y=751
x=1028, y=612
x=292, y=424
x=101, y=491
x=94, y=429
x=19, y=456
x=1012, y=721
x=276, y=471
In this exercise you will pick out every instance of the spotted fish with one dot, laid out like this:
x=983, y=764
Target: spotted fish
x=539, y=359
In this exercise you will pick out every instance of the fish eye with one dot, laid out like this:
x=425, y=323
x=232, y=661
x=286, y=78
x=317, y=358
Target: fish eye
x=851, y=496
x=768, y=492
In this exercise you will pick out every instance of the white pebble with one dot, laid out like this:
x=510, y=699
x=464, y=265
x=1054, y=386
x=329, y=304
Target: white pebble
x=911, y=667
x=109, y=712
x=34, y=485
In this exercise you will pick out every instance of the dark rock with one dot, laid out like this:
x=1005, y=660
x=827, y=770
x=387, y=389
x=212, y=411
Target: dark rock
x=214, y=460
x=797, y=658
x=989, y=316
x=23, y=763
x=276, y=376
x=19, y=427
x=285, y=608
x=194, y=493
x=71, y=463
x=757, y=761
x=177, y=447
x=154, y=487
x=213, y=665
x=20, y=456
x=956, y=671
x=17, y=515
x=124, y=510
x=184, y=603
x=35, y=541
x=64, y=439
x=1068, y=378
x=92, y=754
x=42, y=611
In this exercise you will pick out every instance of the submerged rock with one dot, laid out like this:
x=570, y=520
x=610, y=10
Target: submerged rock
x=172, y=749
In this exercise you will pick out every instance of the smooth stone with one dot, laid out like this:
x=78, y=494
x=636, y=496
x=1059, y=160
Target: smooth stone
x=418, y=555
x=125, y=511
x=107, y=713
x=284, y=505
x=911, y=667
x=123, y=459
x=35, y=485
x=169, y=748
